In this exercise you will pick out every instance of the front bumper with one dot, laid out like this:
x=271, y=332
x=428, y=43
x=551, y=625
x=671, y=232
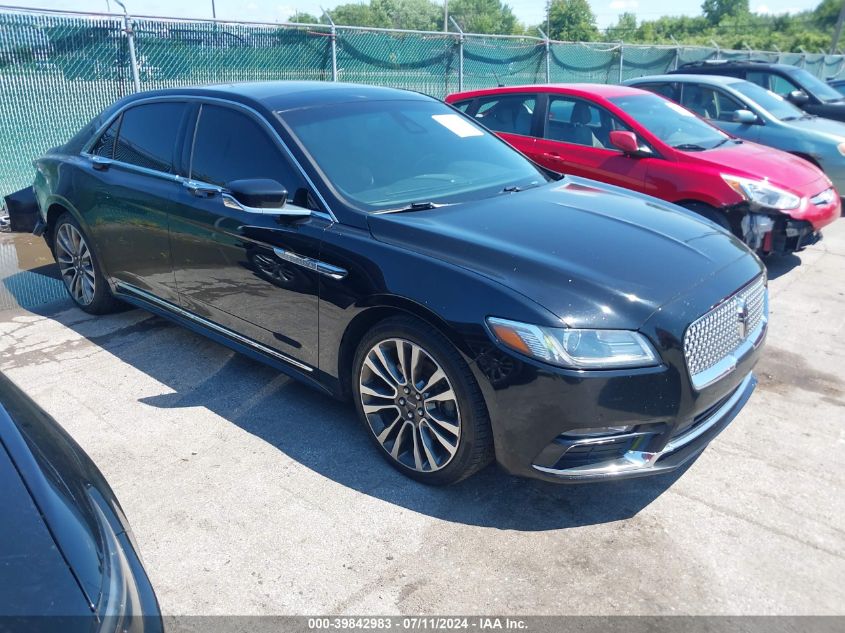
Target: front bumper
x=681, y=448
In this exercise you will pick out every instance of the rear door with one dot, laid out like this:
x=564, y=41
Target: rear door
x=511, y=116
x=249, y=272
x=575, y=139
x=133, y=166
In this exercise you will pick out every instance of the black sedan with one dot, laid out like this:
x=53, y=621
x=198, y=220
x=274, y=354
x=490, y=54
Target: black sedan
x=68, y=561
x=381, y=246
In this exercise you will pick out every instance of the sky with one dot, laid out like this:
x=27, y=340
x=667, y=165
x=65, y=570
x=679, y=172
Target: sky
x=528, y=11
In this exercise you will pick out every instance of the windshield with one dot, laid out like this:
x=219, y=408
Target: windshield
x=671, y=123
x=814, y=86
x=776, y=105
x=382, y=155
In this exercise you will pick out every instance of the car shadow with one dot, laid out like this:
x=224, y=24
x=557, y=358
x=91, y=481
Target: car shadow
x=325, y=435
x=779, y=265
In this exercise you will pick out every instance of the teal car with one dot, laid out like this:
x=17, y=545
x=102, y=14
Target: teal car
x=748, y=111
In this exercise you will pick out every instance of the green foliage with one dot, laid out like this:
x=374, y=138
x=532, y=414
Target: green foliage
x=717, y=10
x=484, y=16
x=572, y=20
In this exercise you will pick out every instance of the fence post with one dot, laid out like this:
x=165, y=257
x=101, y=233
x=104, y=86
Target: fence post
x=332, y=41
x=130, y=37
x=718, y=50
x=460, y=54
x=548, y=56
x=621, y=59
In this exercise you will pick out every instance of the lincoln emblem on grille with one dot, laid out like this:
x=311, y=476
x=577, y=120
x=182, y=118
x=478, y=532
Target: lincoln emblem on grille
x=742, y=317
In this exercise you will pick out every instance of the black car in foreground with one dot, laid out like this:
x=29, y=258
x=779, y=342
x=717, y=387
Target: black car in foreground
x=381, y=246
x=68, y=561
x=794, y=84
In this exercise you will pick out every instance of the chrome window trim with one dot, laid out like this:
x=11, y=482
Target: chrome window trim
x=131, y=167
x=252, y=112
x=170, y=307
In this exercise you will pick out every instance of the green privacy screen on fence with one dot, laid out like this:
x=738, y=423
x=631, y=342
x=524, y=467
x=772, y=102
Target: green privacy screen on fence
x=58, y=70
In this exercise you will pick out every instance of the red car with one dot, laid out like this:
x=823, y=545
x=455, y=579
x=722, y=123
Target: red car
x=772, y=200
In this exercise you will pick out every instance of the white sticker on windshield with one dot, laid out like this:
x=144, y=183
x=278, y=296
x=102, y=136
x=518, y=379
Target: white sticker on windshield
x=679, y=109
x=457, y=125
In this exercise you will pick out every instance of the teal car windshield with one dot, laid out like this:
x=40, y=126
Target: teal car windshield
x=777, y=106
x=814, y=85
x=387, y=155
x=671, y=123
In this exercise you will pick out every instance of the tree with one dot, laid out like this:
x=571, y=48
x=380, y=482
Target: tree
x=304, y=18
x=716, y=10
x=625, y=29
x=572, y=20
x=418, y=15
x=484, y=16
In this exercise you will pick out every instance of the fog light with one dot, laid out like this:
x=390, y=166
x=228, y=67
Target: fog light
x=598, y=431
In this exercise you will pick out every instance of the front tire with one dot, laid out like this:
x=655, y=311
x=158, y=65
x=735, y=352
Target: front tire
x=420, y=403
x=80, y=268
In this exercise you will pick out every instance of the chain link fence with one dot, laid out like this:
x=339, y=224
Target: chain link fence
x=57, y=70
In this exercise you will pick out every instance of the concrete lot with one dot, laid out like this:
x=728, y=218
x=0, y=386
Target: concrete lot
x=250, y=494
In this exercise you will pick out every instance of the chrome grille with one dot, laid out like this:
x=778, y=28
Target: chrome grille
x=712, y=338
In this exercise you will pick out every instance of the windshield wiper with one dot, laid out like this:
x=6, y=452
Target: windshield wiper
x=414, y=206
x=725, y=140
x=516, y=188
x=689, y=147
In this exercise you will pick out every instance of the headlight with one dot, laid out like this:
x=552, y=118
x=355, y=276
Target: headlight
x=841, y=148
x=575, y=348
x=762, y=193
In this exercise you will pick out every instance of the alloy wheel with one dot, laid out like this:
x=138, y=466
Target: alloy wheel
x=410, y=405
x=75, y=263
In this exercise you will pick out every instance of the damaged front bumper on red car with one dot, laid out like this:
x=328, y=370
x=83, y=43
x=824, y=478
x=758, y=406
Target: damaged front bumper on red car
x=792, y=231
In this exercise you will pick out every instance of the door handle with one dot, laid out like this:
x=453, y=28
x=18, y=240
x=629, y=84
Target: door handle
x=552, y=155
x=201, y=189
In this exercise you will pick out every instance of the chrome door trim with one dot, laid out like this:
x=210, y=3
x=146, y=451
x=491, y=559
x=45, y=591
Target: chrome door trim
x=329, y=270
x=329, y=214
x=211, y=325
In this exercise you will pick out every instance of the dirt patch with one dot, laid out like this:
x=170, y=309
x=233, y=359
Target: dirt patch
x=780, y=371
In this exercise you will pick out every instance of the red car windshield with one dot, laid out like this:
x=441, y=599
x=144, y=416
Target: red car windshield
x=671, y=123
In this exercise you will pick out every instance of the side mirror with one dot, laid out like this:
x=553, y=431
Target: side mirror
x=626, y=142
x=798, y=97
x=261, y=195
x=744, y=116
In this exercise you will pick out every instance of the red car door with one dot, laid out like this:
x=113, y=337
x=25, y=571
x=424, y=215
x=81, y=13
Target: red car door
x=511, y=116
x=576, y=141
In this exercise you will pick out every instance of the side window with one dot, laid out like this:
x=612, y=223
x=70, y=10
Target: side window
x=147, y=135
x=701, y=100
x=726, y=106
x=463, y=106
x=104, y=146
x=670, y=91
x=511, y=114
x=574, y=121
x=230, y=145
x=782, y=86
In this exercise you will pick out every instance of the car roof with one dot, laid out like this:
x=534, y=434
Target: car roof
x=286, y=95
x=580, y=89
x=735, y=63
x=720, y=80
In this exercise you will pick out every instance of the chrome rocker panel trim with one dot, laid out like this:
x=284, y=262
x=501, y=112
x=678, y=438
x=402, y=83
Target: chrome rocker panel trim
x=128, y=289
x=677, y=451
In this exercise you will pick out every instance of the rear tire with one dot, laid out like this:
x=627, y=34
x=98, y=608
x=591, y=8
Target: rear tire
x=420, y=403
x=80, y=268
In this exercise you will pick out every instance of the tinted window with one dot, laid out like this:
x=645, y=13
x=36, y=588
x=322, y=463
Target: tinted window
x=709, y=103
x=575, y=121
x=511, y=114
x=463, y=106
x=382, y=155
x=814, y=86
x=230, y=145
x=670, y=91
x=104, y=146
x=147, y=136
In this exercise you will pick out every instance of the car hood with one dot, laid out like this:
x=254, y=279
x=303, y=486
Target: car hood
x=758, y=162
x=594, y=255
x=820, y=124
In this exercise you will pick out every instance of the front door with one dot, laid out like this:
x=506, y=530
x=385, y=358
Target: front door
x=243, y=270
x=576, y=141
